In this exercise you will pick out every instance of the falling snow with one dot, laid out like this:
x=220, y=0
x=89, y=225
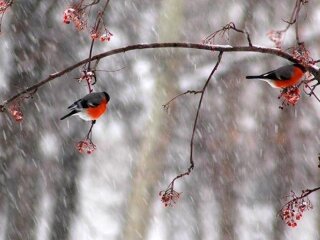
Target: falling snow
x=248, y=153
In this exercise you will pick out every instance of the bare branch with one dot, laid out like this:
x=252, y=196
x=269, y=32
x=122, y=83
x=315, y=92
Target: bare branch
x=294, y=19
x=198, y=110
x=298, y=6
x=277, y=36
x=170, y=194
x=94, y=2
x=312, y=88
x=218, y=48
x=97, y=27
x=83, y=6
x=110, y=71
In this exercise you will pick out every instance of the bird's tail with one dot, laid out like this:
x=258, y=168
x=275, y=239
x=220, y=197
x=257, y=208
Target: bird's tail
x=256, y=77
x=69, y=114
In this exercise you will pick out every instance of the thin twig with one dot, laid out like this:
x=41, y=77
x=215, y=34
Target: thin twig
x=308, y=192
x=222, y=31
x=166, y=105
x=90, y=53
x=89, y=86
x=311, y=93
x=294, y=19
x=278, y=35
x=244, y=32
x=191, y=166
x=89, y=134
x=297, y=21
x=110, y=71
x=198, y=110
x=92, y=3
x=96, y=28
x=89, y=5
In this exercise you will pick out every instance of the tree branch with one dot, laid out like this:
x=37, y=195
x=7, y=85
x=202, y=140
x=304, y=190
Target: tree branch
x=218, y=48
x=198, y=110
x=298, y=7
x=96, y=29
x=169, y=196
x=277, y=36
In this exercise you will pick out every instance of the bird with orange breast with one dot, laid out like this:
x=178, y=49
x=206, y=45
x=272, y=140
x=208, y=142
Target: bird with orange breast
x=90, y=107
x=283, y=77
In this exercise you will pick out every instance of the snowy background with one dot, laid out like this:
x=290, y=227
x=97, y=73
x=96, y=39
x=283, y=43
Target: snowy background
x=248, y=153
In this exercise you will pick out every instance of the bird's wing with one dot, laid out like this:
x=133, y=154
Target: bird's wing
x=90, y=100
x=283, y=73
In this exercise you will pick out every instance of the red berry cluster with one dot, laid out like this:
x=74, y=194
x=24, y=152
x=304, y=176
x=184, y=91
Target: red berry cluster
x=3, y=6
x=16, y=112
x=302, y=54
x=86, y=146
x=276, y=37
x=169, y=197
x=293, y=210
x=290, y=96
x=75, y=16
x=87, y=76
x=290, y=217
x=105, y=37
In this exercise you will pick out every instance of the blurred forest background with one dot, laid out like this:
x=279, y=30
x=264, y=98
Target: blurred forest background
x=248, y=153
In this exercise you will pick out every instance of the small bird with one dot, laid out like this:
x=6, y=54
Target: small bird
x=283, y=77
x=90, y=107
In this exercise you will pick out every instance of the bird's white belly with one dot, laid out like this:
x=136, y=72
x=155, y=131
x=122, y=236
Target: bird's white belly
x=270, y=82
x=84, y=116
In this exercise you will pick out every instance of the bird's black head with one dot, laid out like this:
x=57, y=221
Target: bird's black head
x=107, y=96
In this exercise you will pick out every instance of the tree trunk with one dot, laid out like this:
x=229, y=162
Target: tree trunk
x=66, y=197
x=148, y=170
x=283, y=173
x=21, y=162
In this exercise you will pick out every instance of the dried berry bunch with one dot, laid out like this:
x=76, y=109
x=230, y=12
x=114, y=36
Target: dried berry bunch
x=290, y=96
x=169, y=197
x=293, y=210
x=77, y=14
x=86, y=146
